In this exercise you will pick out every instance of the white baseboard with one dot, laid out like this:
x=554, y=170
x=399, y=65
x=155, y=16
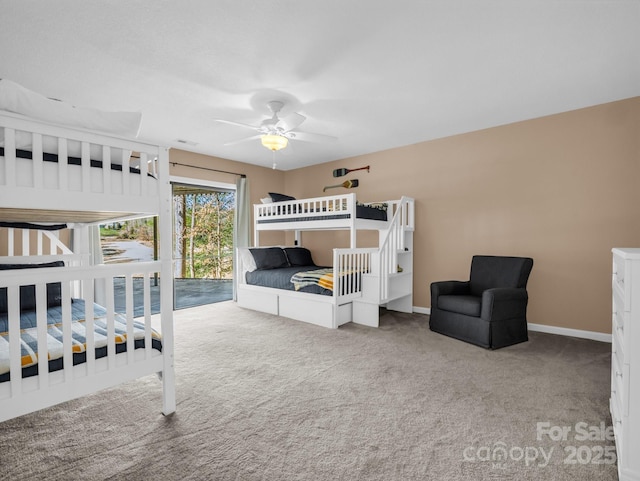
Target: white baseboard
x=564, y=331
x=422, y=310
x=561, y=331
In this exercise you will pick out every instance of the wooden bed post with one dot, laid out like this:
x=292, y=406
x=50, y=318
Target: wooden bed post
x=256, y=235
x=80, y=239
x=166, y=283
x=352, y=230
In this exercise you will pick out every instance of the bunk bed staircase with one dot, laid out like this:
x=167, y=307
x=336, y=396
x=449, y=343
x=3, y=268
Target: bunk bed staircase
x=389, y=282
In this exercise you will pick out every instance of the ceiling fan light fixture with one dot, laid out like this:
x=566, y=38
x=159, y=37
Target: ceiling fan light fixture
x=274, y=142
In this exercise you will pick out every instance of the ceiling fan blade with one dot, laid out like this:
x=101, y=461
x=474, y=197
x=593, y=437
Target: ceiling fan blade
x=309, y=137
x=290, y=122
x=244, y=139
x=238, y=124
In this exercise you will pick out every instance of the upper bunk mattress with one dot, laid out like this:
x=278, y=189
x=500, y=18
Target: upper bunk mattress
x=73, y=160
x=362, y=212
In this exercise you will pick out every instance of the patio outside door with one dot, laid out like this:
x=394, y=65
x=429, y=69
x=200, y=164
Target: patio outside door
x=202, y=244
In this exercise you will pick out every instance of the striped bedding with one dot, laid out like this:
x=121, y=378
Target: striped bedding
x=324, y=278
x=318, y=277
x=29, y=336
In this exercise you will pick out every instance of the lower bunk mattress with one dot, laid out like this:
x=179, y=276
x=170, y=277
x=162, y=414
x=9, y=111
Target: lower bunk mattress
x=29, y=338
x=280, y=278
x=309, y=279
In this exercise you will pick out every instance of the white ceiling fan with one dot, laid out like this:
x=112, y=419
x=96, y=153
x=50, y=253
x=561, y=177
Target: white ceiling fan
x=275, y=132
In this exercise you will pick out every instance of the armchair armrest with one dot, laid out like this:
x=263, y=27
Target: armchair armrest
x=504, y=303
x=445, y=288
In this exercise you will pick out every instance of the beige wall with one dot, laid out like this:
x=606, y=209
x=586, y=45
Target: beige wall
x=562, y=189
x=33, y=242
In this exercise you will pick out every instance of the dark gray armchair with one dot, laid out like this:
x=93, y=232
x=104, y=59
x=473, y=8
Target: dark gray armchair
x=490, y=309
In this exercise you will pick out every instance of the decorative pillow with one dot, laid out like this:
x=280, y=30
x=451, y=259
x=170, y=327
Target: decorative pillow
x=269, y=257
x=280, y=197
x=28, y=293
x=266, y=200
x=374, y=205
x=299, y=256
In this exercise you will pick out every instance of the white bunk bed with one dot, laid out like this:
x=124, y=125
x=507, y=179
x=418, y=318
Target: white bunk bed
x=363, y=278
x=52, y=173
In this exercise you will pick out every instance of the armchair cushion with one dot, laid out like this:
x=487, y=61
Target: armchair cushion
x=467, y=305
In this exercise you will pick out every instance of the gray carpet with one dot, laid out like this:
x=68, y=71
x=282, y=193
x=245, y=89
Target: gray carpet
x=266, y=398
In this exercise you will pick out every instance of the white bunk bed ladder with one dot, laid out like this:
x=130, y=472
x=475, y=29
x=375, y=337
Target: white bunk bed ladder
x=390, y=280
x=393, y=243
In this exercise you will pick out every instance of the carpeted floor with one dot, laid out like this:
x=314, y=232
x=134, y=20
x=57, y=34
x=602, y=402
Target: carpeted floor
x=266, y=398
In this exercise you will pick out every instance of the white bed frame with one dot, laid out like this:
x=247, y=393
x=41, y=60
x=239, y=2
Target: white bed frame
x=380, y=282
x=35, y=191
x=314, y=214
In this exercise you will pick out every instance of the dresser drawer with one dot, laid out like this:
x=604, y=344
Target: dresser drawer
x=617, y=345
x=616, y=421
x=621, y=281
x=620, y=384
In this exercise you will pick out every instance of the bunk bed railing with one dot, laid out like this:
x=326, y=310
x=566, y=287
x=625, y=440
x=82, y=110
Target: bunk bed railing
x=314, y=207
x=393, y=241
x=23, y=178
x=349, y=265
x=18, y=391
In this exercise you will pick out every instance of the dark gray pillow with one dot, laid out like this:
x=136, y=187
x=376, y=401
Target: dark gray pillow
x=28, y=293
x=280, y=197
x=299, y=256
x=269, y=257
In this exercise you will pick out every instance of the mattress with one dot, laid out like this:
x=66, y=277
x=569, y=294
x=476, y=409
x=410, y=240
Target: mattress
x=29, y=344
x=362, y=212
x=72, y=160
x=281, y=279
x=51, y=175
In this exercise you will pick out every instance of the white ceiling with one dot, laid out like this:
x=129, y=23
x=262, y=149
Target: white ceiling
x=377, y=74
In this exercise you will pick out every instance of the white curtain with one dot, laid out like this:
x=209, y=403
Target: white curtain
x=242, y=224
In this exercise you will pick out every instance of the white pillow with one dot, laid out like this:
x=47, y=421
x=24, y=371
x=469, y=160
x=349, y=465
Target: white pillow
x=266, y=200
x=15, y=98
x=247, y=262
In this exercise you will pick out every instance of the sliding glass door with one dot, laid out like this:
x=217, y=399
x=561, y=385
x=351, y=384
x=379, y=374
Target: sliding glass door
x=203, y=244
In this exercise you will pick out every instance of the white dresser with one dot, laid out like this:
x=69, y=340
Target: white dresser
x=625, y=361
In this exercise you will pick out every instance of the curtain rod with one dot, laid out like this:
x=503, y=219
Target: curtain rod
x=207, y=168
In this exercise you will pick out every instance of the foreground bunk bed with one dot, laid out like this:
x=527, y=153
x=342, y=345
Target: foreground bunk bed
x=286, y=281
x=60, y=334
